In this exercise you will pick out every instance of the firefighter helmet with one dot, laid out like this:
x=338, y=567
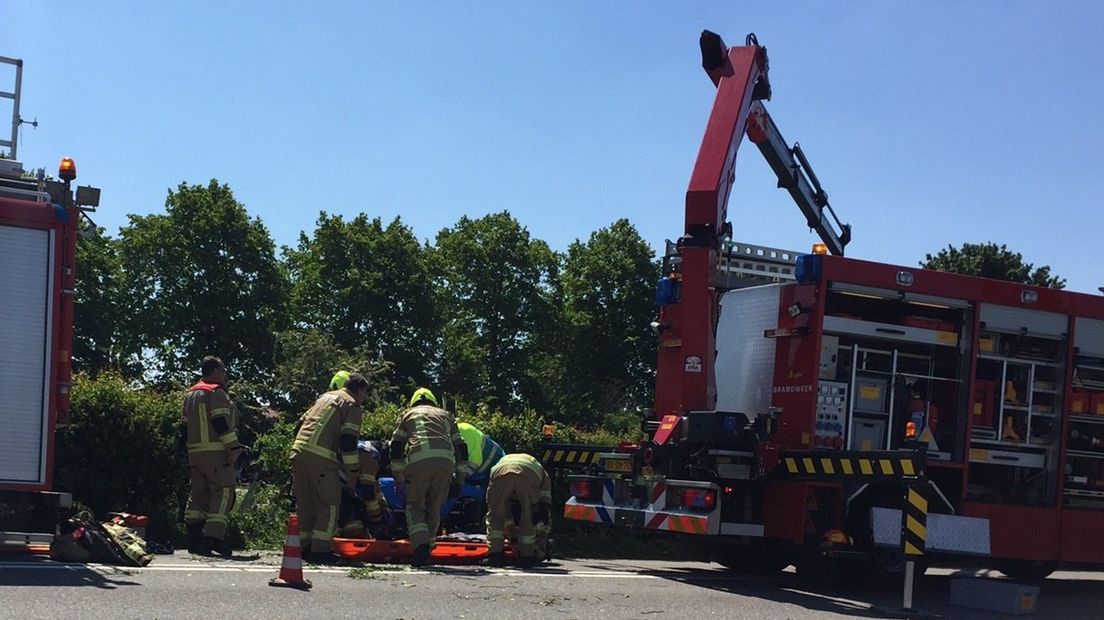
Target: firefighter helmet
x=339, y=379
x=421, y=394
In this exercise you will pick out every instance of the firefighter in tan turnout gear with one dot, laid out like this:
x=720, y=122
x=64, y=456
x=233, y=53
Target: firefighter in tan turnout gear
x=213, y=448
x=324, y=449
x=519, y=495
x=429, y=457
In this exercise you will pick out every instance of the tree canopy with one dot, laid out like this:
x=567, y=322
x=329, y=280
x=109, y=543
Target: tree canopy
x=485, y=315
x=990, y=260
x=201, y=279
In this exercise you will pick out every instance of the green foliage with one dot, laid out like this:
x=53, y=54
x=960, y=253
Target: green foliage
x=120, y=451
x=379, y=423
x=99, y=305
x=201, y=279
x=520, y=432
x=493, y=281
x=608, y=358
x=367, y=285
x=306, y=359
x=271, y=451
x=989, y=260
x=262, y=524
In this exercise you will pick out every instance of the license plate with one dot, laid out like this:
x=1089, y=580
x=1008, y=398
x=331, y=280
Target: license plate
x=618, y=465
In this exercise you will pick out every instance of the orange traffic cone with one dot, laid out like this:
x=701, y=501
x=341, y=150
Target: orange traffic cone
x=291, y=570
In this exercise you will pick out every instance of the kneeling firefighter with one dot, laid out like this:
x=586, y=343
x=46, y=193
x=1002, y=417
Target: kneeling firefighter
x=429, y=458
x=519, y=494
x=364, y=510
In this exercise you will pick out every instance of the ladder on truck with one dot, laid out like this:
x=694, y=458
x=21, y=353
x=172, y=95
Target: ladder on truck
x=12, y=144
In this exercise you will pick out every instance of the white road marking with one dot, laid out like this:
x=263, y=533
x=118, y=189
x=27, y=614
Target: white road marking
x=332, y=570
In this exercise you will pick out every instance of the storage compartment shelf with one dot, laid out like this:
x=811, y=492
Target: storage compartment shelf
x=1084, y=493
x=1087, y=419
x=1085, y=454
x=889, y=331
x=1034, y=460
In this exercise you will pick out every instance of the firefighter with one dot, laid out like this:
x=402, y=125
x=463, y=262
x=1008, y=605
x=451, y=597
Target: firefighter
x=429, y=459
x=364, y=510
x=483, y=453
x=211, y=423
x=325, y=448
x=519, y=495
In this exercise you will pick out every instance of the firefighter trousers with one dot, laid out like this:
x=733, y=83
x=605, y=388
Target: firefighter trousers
x=317, y=490
x=427, y=487
x=212, y=496
x=511, y=499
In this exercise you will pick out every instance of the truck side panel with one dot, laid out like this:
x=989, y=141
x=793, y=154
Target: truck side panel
x=33, y=236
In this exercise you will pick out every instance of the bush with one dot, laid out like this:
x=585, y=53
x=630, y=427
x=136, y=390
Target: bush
x=262, y=524
x=270, y=454
x=120, y=451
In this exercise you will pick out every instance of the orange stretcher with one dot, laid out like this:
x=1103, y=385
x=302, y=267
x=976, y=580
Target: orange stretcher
x=445, y=551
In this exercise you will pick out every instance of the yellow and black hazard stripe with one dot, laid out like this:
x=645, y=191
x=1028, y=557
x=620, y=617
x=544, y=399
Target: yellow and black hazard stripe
x=850, y=466
x=572, y=456
x=914, y=533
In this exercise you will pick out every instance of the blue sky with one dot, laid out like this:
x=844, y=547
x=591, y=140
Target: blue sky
x=928, y=123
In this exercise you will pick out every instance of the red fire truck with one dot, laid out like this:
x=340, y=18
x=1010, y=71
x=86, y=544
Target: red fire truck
x=817, y=407
x=39, y=222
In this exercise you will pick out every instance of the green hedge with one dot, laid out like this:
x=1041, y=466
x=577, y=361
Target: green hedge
x=120, y=452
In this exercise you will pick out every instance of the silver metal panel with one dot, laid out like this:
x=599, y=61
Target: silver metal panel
x=946, y=533
x=1035, y=322
x=888, y=331
x=26, y=291
x=745, y=358
x=742, y=529
x=1089, y=336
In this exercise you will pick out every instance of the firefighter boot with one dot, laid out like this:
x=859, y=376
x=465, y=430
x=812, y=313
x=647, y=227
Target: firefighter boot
x=528, y=561
x=497, y=559
x=220, y=547
x=421, y=556
x=196, y=544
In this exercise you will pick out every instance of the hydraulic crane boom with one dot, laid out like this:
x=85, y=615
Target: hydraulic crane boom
x=687, y=347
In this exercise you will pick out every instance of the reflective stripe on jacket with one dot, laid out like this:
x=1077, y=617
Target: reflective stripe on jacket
x=334, y=414
x=203, y=405
x=529, y=467
x=427, y=432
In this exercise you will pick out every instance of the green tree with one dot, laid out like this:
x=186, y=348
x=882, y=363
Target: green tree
x=307, y=359
x=98, y=307
x=990, y=260
x=492, y=282
x=367, y=285
x=609, y=300
x=201, y=279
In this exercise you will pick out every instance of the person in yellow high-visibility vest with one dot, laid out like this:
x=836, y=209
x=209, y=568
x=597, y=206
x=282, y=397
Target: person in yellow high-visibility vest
x=325, y=448
x=483, y=453
x=211, y=425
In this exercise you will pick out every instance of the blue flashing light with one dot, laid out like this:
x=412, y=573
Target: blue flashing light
x=808, y=268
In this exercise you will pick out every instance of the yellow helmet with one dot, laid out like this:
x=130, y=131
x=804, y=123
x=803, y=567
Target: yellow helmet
x=339, y=379
x=422, y=394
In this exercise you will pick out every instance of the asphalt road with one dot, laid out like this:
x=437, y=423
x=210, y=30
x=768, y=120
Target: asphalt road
x=184, y=587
